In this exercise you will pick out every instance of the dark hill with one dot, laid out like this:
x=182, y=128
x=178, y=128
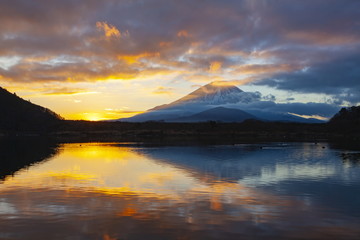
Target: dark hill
x=20, y=115
x=220, y=114
x=346, y=122
x=349, y=115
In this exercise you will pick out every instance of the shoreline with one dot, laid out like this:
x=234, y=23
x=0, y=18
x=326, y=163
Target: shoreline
x=193, y=133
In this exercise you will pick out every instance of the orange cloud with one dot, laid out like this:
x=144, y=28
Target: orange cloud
x=250, y=69
x=165, y=44
x=183, y=33
x=202, y=78
x=215, y=66
x=109, y=30
x=67, y=91
x=132, y=59
x=163, y=90
x=322, y=38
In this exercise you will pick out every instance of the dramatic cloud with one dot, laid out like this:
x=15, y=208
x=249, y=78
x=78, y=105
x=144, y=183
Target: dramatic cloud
x=66, y=91
x=340, y=78
x=298, y=46
x=256, y=103
x=109, y=30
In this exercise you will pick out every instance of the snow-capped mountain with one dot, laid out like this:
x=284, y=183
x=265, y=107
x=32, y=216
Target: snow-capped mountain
x=217, y=114
x=215, y=93
x=209, y=98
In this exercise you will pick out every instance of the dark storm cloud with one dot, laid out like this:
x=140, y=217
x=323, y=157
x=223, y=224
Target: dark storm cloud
x=340, y=77
x=259, y=39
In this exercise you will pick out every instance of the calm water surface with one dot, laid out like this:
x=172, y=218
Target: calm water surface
x=114, y=191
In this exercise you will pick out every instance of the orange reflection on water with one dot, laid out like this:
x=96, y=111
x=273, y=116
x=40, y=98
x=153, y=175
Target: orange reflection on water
x=127, y=212
x=104, y=168
x=112, y=170
x=107, y=237
x=114, y=190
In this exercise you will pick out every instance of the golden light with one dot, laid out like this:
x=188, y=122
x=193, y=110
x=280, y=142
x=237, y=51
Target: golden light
x=132, y=59
x=101, y=116
x=109, y=30
x=93, y=116
x=215, y=66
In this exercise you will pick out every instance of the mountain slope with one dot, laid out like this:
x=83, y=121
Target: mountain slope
x=220, y=114
x=204, y=98
x=18, y=114
x=210, y=96
x=214, y=93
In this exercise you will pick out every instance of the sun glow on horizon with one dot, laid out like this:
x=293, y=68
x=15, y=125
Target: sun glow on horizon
x=101, y=116
x=89, y=116
x=96, y=167
x=93, y=117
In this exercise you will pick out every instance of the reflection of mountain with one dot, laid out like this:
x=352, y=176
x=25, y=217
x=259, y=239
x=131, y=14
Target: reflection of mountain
x=18, y=114
x=102, y=191
x=252, y=163
x=16, y=154
x=290, y=169
x=213, y=97
x=225, y=163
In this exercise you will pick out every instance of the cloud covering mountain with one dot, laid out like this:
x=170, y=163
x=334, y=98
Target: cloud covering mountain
x=219, y=100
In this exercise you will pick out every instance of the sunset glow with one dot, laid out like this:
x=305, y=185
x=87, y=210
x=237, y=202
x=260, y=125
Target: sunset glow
x=93, y=116
x=97, y=167
x=132, y=56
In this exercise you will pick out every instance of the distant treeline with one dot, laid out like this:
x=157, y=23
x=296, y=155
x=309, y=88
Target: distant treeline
x=341, y=126
x=247, y=130
x=20, y=117
x=345, y=124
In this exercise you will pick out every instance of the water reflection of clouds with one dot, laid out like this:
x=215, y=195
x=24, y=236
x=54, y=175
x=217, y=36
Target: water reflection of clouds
x=262, y=164
x=107, y=192
x=283, y=172
x=94, y=214
x=6, y=208
x=104, y=168
x=351, y=158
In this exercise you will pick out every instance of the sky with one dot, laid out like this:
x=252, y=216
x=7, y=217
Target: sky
x=91, y=59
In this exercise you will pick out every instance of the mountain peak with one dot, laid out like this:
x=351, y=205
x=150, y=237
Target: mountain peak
x=211, y=102
x=218, y=92
x=219, y=86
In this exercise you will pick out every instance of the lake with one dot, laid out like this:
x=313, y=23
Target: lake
x=119, y=191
